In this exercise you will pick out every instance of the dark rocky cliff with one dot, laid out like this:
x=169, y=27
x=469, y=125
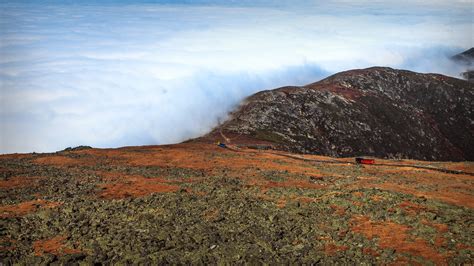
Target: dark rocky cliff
x=377, y=111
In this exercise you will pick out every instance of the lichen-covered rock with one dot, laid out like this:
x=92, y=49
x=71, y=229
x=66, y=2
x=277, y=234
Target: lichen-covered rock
x=376, y=111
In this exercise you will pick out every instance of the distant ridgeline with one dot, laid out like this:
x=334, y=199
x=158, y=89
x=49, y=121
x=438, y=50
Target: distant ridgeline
x=466, y=58
x=376, y=111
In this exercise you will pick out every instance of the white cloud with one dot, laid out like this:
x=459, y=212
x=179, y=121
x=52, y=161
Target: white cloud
x=119, y=74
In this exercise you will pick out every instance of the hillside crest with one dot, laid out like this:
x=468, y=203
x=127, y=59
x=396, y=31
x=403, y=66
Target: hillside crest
x=377, y=111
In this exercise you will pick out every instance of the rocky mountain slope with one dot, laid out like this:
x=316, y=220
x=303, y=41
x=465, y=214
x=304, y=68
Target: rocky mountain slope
x=466, y=59
x=197, y=203
x=376, y=111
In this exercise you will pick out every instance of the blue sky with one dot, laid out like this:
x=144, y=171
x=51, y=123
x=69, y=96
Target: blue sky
x=116, y=73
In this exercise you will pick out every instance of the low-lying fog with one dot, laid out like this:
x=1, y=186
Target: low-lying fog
x=117, y=73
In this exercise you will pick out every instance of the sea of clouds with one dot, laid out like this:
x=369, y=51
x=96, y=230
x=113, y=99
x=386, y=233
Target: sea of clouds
x=119, y=73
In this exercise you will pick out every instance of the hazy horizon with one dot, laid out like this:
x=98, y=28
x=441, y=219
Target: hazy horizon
x=122, y=73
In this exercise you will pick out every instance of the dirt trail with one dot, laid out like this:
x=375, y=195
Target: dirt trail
x=391, y=164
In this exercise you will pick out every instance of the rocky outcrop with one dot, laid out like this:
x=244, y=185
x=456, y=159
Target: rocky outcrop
x=377, y=111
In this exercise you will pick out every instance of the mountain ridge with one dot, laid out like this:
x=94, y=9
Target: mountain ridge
x=377, y=111
x=466, y=57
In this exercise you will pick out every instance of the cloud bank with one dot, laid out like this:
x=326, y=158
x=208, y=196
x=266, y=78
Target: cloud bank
x=117, y=73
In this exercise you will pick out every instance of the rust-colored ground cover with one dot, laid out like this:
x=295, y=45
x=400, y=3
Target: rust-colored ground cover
x=19, y=182
x=119, y=185
x=206, y=157
x=338, y=210
x=370, y=251
x=412, y=208
x=122, y=185
x=442, y=194
x=275, y=186
x=64, y=161
x=26, y=207
x=451, y=188
x=55, y=245
x=331, y=248
x=396, y=236
x=246, y=164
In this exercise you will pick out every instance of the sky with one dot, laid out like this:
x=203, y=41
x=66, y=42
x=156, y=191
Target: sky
x=120, y=73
